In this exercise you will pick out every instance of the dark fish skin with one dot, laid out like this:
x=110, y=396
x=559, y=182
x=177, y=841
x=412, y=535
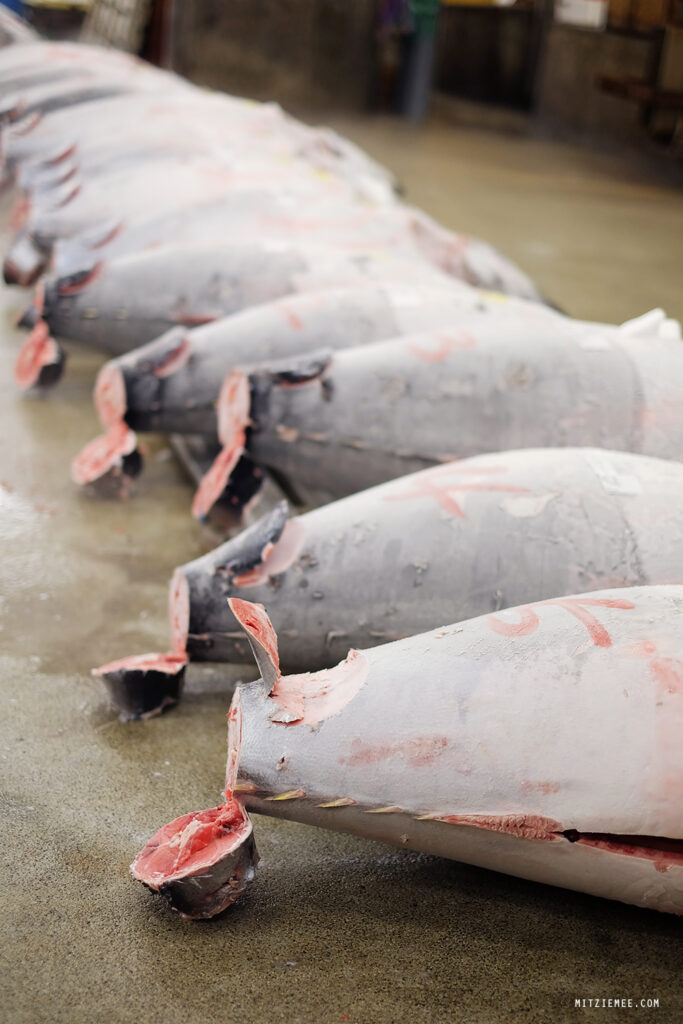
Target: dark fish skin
x=138, y=693
x=199, y=897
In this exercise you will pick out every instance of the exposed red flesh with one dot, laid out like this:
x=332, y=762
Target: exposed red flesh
x=170, y=663
x=254, y=620
x=233, y=420
x=39, y=350
x=179, y=611
x=191, y=844
x=110, y=395
x=103, y=454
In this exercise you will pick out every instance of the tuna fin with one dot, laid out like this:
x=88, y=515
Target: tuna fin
x=254, y=620
x=245, y=552
x=301, y=370
x=233, y=419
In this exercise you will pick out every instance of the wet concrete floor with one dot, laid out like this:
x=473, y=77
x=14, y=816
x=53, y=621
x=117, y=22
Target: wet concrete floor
x=335, y=928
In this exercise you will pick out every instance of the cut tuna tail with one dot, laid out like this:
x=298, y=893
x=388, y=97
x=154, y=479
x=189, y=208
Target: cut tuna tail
x=233, y=420
x=203, y=861
x=144, y=685
x=41, y=360
x=236, y=402
x=112, y=461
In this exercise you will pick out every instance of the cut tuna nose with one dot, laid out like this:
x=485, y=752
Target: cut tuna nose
x=203, y=861
x=111, y=461
x=236, y=413
x=41, y=360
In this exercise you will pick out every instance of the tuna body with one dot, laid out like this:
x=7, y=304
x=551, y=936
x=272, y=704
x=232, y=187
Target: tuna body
x=543, y=742
x=438, y=546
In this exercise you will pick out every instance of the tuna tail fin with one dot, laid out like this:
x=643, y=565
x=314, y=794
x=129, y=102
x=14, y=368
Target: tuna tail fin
x=254, y=620
x=234, y=404
x=240, y=398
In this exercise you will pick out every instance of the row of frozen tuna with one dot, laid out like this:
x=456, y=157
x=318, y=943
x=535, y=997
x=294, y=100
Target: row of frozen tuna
x=261, y=286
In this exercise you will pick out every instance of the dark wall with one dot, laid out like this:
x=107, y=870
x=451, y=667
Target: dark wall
x=488, y=54
x=300, y=52
x=568, y=95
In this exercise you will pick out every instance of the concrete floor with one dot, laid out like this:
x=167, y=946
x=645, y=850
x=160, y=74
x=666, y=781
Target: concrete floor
x=335, y=929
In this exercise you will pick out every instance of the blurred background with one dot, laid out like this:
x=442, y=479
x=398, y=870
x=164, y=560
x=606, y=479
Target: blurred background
x=602, y=72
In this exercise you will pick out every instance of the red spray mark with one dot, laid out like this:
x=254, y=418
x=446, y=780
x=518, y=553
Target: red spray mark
x=103, y=454
x=446, y=344
x=431, y=484
x=423, y=750
x=576, y=606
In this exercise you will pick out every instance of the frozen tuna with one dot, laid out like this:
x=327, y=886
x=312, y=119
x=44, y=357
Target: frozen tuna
x=543, y=742
x=361, y=416
x=120, y=305
x=447, y=543
x=172, y=384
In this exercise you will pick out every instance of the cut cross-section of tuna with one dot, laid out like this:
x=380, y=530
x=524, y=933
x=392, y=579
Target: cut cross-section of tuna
x=203, y=861
x=544, y=742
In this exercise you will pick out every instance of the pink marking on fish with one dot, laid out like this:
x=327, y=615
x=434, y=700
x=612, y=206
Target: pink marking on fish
x=416, y=752
x=179, y=611
x=447, y=343
x=576, y=606
x=426, y=486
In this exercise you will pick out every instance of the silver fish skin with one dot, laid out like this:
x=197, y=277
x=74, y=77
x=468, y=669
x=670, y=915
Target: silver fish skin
x=447, y=543
x=374, y=413
x=543, y=742
x=120, y=305
x=172, y=384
